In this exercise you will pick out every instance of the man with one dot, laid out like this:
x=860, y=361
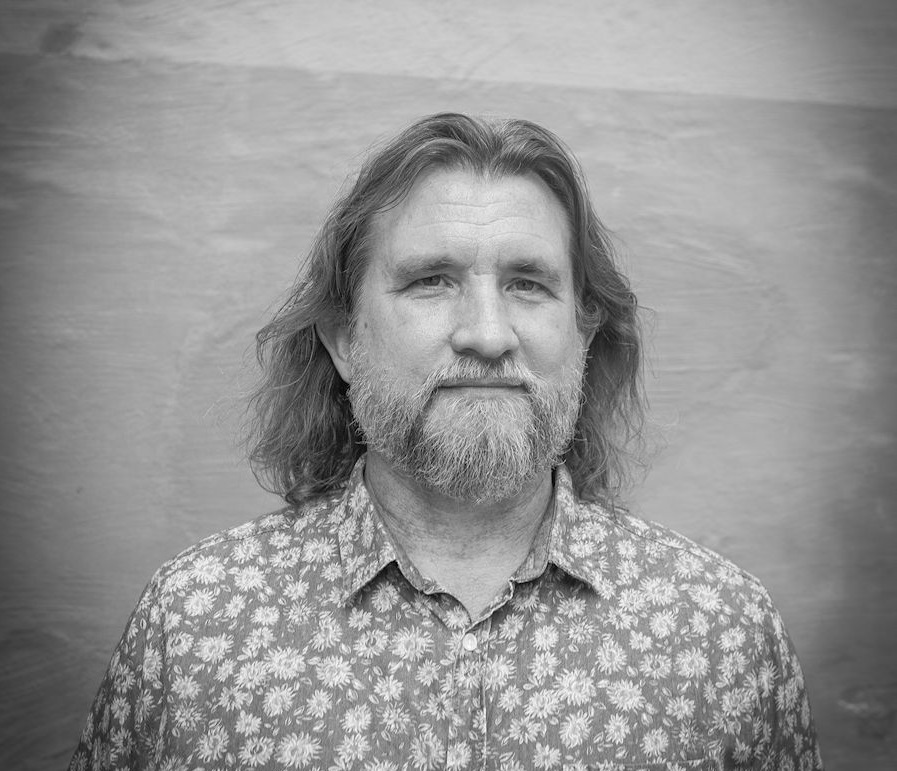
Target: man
x=447, y=399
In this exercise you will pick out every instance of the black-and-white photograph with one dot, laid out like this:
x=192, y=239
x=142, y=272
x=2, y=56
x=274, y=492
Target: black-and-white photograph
x=419, y=385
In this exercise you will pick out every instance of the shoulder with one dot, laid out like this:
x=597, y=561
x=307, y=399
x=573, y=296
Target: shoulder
x=251, y=553
x=657, y=568
x=695, y=621
x=663, y=545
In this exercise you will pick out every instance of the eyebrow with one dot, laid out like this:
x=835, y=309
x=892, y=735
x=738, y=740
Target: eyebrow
x=417, y=265
x=535, y=268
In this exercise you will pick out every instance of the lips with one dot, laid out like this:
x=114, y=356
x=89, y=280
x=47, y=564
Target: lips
x=482, y=384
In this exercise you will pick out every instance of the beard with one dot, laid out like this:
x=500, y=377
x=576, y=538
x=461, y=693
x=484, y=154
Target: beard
x=470, y=448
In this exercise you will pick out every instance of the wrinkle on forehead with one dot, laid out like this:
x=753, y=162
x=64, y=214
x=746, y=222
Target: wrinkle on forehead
x=459, y=209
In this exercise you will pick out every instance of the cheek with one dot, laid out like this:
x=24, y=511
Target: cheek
x=417, y=323
x=555, y=338
x=406, y=338
x=375, y=325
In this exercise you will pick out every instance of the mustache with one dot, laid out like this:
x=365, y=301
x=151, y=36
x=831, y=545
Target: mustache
x=502, y=372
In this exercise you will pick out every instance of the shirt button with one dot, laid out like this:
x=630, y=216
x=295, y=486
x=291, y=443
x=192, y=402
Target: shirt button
x=469, y=642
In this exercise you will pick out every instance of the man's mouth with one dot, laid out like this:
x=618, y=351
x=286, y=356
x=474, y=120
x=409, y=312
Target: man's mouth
x=483, y=389
x=489, y=383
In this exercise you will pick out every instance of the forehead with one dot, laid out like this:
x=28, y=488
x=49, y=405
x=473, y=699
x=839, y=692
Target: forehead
x=466, y=214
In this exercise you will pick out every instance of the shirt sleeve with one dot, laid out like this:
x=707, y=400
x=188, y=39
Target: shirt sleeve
x=124, y=725
x=783, y=729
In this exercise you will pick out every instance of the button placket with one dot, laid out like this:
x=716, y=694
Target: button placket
x=469, y=696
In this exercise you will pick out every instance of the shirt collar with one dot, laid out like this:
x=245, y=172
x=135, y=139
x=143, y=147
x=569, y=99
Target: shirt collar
x=365, y=547
x=579, y=531
x=571, y=537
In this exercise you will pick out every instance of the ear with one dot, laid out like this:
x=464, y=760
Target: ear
x=334, y=334
x=588, y=338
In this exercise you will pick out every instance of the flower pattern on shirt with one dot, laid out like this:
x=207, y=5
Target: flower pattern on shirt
x=306, y=639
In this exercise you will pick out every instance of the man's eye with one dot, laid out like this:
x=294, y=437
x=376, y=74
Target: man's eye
x=525, y=285
x=431, y=281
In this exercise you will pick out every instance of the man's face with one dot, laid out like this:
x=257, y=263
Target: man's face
x=465, y=363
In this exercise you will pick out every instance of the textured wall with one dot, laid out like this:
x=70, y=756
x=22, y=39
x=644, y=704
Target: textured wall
x=163, y=163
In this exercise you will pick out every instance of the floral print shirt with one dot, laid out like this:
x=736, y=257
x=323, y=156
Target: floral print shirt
x=305, y=639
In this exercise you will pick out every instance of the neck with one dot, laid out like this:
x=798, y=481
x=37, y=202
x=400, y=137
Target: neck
x=470, y=549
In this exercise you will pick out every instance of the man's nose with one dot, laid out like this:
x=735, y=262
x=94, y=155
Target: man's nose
x=483, y=325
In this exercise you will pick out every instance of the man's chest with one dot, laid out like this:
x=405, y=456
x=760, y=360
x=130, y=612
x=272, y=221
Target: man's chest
x=396, y=681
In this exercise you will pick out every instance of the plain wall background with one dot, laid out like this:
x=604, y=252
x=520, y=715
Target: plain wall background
x=164, y=164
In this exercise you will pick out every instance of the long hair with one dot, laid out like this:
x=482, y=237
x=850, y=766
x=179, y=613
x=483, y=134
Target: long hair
x=301, y=435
